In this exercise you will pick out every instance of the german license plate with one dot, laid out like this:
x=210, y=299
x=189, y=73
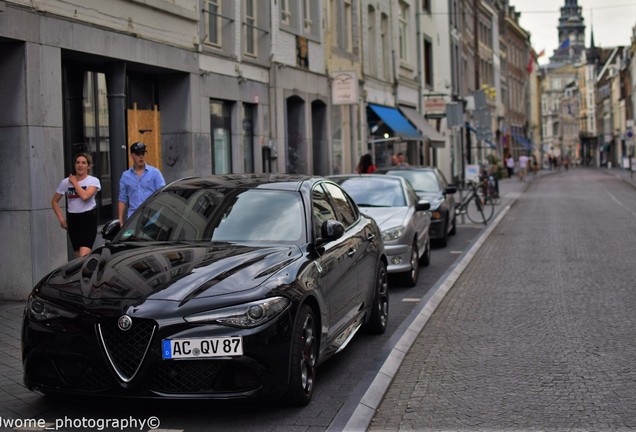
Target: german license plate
x=202, y=347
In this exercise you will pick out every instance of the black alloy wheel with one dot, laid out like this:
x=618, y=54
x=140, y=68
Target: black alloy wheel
x=380, y=308
x=303, y=358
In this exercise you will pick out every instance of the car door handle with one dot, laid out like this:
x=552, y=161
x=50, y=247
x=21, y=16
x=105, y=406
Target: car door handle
x=371, y=237
x=351, y=252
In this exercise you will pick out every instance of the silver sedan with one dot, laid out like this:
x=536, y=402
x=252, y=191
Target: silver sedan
x=403, y=218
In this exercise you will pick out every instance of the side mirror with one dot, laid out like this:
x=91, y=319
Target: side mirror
x=330, y=230
x=422, y=205
x=450, y=190
x=110, y=230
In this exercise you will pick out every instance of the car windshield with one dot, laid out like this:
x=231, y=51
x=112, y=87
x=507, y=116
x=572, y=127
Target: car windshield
x=374, y=191
x=422, y=181
x=227, y=215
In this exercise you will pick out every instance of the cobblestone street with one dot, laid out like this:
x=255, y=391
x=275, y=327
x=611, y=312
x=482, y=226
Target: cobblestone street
x=537, y=334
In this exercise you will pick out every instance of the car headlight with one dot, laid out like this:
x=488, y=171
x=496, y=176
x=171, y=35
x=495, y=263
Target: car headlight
x=393, y=233
x=43, y=310
x=245, y=315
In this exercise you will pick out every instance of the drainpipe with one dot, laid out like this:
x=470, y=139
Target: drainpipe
x=116, y=82
x=423, y=147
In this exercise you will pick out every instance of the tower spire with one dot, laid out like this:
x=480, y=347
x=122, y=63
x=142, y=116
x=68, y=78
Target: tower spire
x=592, y=29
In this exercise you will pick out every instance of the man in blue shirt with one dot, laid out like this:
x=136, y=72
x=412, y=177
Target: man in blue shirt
x=137, y=183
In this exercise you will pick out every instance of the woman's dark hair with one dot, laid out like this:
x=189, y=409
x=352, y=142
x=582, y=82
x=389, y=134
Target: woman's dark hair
x=366, y=161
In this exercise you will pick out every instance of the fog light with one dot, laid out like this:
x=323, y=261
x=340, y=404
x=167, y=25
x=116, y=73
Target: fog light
x=396, y=260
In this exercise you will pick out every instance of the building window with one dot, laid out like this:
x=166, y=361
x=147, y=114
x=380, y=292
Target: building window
x=403, y=30
x=307, y=16
x=248, y=137
x=428, y=63
x=285, y=12
x=348, y=26
x=213, y=22
x=250, y=24
x=221, y=131
x=372, y=42
x=385, y=41
x=426, y=6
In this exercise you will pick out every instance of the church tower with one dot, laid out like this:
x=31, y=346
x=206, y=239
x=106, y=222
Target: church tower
x=571, y=34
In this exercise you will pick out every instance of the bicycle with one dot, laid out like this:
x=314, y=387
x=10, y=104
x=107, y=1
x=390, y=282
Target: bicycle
x=473, y=205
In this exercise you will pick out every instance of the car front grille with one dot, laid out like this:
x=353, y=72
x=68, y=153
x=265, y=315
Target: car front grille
x=126, y=350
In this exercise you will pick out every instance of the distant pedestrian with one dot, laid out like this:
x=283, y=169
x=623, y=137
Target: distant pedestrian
x=535, y=165
x=402, y=160
x=523, y=167
x=137, y=183
x=365, y=165
x=80, y=189
x=510, y=165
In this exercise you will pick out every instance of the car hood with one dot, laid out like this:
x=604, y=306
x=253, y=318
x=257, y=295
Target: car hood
x=386, y=217
x=177, y=272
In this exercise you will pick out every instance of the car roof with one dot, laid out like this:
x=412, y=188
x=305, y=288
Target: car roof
x=407, y=168
x=335, y=177
x=247, y=181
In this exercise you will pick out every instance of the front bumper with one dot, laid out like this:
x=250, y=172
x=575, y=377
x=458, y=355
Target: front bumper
x=436, y=229
x=399, y=257
x=69, y=357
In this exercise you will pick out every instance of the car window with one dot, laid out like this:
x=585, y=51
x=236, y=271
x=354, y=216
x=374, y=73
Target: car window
x=374, y=191
x=442, y=179
x=232, y=215
x=321, y=209
x=424, y=181
x=345, y=208
x=411, y=194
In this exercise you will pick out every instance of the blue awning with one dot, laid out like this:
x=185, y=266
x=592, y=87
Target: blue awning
x=397, y=122
x=525, y=143
x=436, y=139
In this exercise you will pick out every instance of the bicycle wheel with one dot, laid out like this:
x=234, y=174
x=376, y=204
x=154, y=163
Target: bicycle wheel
x=480, y=211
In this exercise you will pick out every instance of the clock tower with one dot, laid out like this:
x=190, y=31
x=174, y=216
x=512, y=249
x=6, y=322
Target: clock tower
x=571, y=34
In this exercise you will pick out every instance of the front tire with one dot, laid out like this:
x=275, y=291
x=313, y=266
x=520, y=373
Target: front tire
x=425, y=260
x=409, y=278
x=380, y=309
x=453, y=230
x=304, y=353
x=443, y=242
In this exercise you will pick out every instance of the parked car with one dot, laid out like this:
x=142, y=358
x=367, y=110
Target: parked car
x=403, y=218
x=430, y=184
x=222, y=287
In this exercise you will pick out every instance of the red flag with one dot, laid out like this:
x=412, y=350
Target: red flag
x=534, y=57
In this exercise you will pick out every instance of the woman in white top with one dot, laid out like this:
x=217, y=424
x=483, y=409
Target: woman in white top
x=81, y=219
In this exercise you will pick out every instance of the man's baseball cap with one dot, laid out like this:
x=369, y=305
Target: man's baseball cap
x=138, y=147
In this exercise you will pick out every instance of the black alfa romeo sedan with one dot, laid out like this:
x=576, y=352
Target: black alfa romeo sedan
x=220, y=287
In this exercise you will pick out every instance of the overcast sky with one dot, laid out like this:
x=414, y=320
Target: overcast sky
x=611, y=20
